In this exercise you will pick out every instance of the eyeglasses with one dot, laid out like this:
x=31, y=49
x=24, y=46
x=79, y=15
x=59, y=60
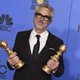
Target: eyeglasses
x=40, y=16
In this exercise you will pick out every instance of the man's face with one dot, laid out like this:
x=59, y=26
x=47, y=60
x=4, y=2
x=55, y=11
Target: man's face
x=42, y=19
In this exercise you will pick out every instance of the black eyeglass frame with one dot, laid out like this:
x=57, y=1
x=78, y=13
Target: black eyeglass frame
x=45, y=17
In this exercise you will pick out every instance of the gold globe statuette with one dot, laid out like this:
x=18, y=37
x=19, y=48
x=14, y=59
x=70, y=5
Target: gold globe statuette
x=4, y=45
x=46, y=68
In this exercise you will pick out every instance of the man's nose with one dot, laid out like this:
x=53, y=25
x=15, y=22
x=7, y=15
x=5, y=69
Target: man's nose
x=42, y=18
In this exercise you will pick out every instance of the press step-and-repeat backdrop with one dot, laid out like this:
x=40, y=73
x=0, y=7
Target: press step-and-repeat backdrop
x=17, y=15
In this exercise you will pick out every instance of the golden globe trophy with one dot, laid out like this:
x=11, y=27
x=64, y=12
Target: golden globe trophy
x=4, y=45
x=46, y=68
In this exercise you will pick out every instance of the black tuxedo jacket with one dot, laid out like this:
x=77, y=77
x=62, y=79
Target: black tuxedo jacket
x=32, y=70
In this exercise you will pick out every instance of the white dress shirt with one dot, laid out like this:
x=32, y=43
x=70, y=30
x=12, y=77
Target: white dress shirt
x=33, y=40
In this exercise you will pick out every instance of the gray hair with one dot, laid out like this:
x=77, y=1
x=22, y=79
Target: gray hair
x=46, y=6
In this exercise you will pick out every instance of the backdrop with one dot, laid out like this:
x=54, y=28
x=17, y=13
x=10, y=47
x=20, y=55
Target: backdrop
x=17, y=15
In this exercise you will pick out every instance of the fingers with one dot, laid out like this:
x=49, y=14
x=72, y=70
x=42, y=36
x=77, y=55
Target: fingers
x=53, y=63
x=15, y=53
x=13, y=59
x=54, y=59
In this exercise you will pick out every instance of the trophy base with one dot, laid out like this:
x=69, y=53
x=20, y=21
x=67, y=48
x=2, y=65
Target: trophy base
x=19, y=64
x=47, y=69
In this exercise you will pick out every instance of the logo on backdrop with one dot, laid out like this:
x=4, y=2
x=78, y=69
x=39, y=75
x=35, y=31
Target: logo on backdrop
x=3, y=71
x=5, y=22
x=38, y=2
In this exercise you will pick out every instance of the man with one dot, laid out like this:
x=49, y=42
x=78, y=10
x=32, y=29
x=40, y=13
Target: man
x=48, y=45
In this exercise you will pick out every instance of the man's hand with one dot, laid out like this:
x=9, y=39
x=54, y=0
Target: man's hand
x=53, y=63
x=13, y=59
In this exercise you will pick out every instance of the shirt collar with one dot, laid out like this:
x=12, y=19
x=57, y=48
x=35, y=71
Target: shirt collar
x=33, y=33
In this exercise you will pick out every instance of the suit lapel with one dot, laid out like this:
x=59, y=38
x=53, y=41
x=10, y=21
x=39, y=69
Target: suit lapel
x=48, y=45
x=27, y=43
